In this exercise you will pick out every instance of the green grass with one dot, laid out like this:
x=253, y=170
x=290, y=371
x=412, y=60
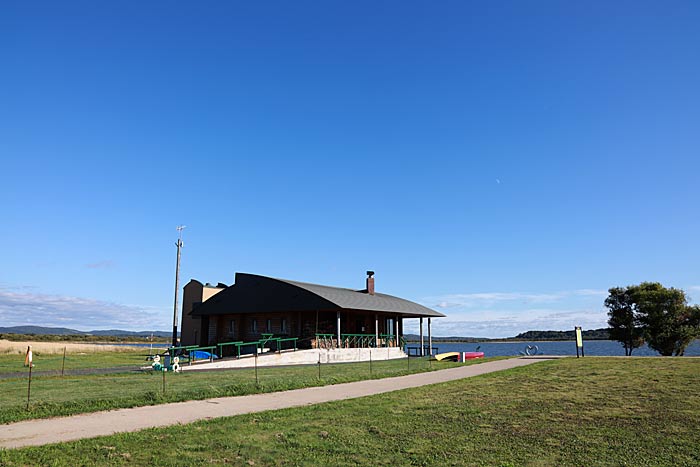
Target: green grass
x=587, y=412
x=55, y=395
x=13, y=362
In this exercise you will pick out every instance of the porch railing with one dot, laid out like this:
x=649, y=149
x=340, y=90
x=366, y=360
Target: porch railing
x=330, y=341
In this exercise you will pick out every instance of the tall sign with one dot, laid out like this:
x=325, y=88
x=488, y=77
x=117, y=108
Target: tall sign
x=579, y=341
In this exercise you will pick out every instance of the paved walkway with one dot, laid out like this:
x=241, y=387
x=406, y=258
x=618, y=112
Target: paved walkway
x=56, y=430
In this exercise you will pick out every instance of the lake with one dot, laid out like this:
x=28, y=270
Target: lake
x=497, y=349
x=591, y=348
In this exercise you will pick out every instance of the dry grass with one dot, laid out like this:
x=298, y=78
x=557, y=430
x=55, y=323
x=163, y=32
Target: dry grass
x=49, y=348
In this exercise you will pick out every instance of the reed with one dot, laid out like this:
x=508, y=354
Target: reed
x=53, y=348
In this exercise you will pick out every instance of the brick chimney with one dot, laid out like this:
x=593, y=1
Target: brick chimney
x=370, y=282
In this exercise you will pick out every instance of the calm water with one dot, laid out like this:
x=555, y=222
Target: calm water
x=592, y=348
x=496, y=349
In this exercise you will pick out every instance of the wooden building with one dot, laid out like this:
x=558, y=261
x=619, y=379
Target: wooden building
x=317, y=315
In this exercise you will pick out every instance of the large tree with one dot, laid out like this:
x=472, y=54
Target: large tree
x=652, y=312
x=624, y=326
x=669, y=323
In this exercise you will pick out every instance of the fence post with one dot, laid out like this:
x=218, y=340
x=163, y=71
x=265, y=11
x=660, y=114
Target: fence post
x=319, y=365
x=256, y=366
x=29, y=384
x=63, y=365
x=370, y=362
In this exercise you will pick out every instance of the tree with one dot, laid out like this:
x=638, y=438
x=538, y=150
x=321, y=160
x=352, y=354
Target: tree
x=669, y=323
x=649, y=311
x=624, y=326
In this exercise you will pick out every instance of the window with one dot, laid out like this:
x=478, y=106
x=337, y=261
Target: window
x=254, y=326
x=232, y=327
x=283, y=326
x=268, y=326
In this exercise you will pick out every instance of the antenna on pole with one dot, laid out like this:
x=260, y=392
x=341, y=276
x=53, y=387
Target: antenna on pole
x=179, y=245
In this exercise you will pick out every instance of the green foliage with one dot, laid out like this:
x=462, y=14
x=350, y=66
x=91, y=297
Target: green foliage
x=623, y=323
x=669, y=323
x=660, y=314
x=592, y=334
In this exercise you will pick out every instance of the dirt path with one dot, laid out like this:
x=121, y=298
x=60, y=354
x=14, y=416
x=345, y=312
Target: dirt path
x=55, y=430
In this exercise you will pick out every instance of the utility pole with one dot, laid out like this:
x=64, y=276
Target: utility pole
x=177, y=283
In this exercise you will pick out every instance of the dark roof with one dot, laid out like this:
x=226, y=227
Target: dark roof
x=259, y=294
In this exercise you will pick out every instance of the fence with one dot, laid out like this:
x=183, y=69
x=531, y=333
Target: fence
x=125, y=387
x=189, y=354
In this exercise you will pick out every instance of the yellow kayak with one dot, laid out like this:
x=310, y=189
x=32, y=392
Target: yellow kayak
x=447, y=356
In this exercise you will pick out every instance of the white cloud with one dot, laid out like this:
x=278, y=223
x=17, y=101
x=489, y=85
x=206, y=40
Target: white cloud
x=19, y=307
x=506, y=323
x=506, y=314
x=490, y=299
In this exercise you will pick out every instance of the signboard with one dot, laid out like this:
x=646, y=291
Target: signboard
x=579, y=338
x=579, y=341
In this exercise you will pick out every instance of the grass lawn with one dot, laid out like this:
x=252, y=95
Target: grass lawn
x=586, y=412
x=126, y=357
x=55, y=395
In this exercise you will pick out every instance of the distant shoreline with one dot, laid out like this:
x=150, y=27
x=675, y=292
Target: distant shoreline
x=502, y=341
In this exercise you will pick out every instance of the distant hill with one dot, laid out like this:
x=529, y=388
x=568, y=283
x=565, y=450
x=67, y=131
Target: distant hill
x=416, y=338
x=41, y=330
x=593, y=334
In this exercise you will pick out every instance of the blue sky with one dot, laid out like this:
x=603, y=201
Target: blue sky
x=502, y=162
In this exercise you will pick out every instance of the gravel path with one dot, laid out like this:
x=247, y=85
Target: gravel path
x=56, y=430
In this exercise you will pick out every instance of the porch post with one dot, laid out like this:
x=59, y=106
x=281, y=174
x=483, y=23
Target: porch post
x=376, y=330
x=396, y=337
x=430, y=340
x=338, y=316
x=421, y=337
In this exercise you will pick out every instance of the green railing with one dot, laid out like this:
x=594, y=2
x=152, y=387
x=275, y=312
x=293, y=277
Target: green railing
x=240, y=345
x=221, y=346
x=187, y=352
x=281, y=340
x=278, y=342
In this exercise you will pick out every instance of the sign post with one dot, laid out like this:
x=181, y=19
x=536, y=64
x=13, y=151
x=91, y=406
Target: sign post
x=579, y=341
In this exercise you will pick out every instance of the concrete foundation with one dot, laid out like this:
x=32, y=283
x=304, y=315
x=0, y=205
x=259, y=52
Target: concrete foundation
x=303, y=357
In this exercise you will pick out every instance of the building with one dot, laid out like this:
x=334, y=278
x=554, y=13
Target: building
x=317, y=315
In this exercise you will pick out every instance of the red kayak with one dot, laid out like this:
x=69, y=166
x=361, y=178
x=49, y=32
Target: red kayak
x=471, y=355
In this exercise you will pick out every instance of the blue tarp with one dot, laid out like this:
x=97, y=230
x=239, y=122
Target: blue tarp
x=201, y=355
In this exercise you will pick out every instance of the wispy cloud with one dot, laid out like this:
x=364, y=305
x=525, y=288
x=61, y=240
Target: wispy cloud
x=19, y=307
x=104, y=264
x=504, y=314
x=506, y=323
x=488, y=299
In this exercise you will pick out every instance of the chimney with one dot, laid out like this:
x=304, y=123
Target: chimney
x=370, y=282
